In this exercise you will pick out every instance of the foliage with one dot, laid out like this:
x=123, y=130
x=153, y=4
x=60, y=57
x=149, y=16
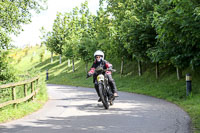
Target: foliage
x=6, y=70
x=9, y=113
x=165, y=32
x=176, y=23
x=87, y=39
x=13, y=14
x=23, y=70
x=167, y=88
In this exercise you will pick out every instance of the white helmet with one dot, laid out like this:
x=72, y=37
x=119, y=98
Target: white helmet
x=99, y=53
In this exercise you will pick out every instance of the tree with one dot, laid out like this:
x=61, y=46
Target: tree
x=118, y=39
x=13, y=14
x=72, y=36
x=58, y=35
x=134, y=19
x=46, y=39
x=176, y=23
x=6, y=73
x=87, y=44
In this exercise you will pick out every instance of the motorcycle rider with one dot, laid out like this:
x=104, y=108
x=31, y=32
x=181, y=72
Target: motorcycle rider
x=99, y=61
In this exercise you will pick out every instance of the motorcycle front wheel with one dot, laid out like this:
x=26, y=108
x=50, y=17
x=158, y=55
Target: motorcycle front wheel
x=103, y=96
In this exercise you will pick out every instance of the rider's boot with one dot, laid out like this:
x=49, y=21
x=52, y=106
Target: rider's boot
x=99, y=99
x=113, y=85
x=114, y=89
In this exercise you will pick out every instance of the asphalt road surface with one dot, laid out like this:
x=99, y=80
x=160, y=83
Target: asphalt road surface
x=76, y=110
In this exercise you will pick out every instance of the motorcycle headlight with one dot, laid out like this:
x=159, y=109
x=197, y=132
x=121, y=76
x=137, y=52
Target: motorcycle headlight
x=100, y=78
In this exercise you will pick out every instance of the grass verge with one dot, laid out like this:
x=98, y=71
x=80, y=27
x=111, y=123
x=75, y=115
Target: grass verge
x=167, y=87
x=9, y=113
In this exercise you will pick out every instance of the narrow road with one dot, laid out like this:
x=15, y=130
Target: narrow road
x=76, y=110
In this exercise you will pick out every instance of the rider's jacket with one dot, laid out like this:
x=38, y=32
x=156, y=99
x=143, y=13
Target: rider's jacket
x=103, y=63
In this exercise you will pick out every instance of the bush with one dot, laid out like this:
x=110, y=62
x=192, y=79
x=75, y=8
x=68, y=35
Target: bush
x=41, y=57
x=6, y=71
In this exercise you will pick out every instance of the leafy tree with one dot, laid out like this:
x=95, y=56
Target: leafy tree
x=87, y=44
x=46, y=39
x=118, y=39
x=133, y=21
x=13, y=14
x=176, y=23
x=103, y=26
x=58, y=35
x=6, y=73
x=72, y=36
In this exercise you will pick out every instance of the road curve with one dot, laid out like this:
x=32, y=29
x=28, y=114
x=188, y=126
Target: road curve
x=76, y=110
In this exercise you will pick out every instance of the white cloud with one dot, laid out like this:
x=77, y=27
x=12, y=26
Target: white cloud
x=31, y=33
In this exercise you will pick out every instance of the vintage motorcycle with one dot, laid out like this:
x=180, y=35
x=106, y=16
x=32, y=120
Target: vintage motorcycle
x=105, y=91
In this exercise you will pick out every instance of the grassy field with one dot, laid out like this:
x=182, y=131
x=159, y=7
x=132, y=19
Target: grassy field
x=167, y=87
x=9, y=113
x=23, y=63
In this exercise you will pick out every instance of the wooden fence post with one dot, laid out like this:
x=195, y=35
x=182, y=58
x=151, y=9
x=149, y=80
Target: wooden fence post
x=12, y=86
x=32, y=89
x=157, y=70
x=37, y=81
x=139, y=68
x=25, y=90
x=14, y=95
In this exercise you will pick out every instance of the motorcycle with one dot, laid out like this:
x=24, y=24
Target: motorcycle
x=105, y=91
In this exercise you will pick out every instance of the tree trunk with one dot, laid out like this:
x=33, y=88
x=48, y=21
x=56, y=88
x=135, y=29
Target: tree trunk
x=139, y=68
x=122, y=66
x=68, y=62
x=179, y=73
x=73, y=66
x=157, y=70
x=60, y=58
x=86, y=67
x=51, y=57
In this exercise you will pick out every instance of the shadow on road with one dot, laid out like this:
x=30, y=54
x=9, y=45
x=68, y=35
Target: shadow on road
x=76, y=110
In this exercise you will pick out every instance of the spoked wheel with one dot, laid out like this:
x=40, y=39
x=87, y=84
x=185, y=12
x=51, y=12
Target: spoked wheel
x=103, y=96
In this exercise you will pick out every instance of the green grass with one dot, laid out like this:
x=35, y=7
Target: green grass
x=24, y=67
x=166, y=87
x=10, y=113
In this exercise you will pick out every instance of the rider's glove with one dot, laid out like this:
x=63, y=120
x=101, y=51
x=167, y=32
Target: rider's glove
x=109, y=69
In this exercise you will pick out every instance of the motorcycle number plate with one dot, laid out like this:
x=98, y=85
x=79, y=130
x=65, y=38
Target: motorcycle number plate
x=100, y=78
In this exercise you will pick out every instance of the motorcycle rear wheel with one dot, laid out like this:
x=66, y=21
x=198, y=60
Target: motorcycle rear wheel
x=103, y=96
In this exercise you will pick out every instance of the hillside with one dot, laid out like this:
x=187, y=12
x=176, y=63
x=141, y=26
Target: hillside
x=167, y=87
x=23, y=61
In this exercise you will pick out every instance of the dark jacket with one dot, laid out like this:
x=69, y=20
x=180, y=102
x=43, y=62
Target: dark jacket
x=103, y=63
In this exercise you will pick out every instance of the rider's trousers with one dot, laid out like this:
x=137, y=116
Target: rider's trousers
x=112, y=83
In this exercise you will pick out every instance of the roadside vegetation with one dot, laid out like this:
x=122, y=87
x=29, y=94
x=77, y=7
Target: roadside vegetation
x=167, y=87
x=9, y=113
x=23, y=62
x=152, y=44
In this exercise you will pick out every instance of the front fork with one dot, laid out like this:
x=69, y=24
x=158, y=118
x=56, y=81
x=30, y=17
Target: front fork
x=104, y=87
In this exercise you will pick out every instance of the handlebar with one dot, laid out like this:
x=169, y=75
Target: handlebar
x=101, y=69
x=113, y=70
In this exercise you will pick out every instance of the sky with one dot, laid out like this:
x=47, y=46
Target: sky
x=31, y=33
